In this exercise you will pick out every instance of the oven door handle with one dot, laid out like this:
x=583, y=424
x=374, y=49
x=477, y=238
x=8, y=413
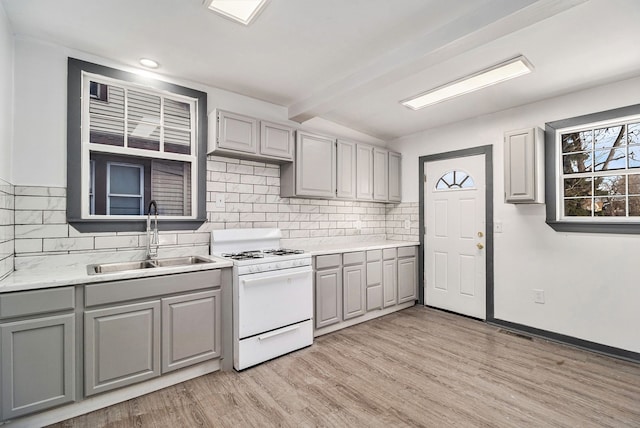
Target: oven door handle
x=278, y=332
x=269, y=278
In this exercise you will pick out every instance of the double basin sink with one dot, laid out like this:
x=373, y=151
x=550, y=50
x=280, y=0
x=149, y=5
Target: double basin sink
x=146, y=264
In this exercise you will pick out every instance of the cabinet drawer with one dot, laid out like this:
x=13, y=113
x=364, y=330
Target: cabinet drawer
x=389, y=253
x=374, y=255
x=353, y=258
x=406, y=251
x=131, y=289
x=36, y=302
x=328, y=261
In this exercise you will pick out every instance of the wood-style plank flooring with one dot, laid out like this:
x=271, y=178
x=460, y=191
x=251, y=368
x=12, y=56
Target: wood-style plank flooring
x=417, y=367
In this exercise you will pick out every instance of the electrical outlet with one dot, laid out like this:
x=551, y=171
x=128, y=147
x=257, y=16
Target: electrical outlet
x=220, y=200
x=407, y=224
x=497, y=227
x=358, y=224
x=538, y=296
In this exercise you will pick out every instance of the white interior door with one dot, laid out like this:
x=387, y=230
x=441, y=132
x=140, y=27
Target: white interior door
x=455, y=221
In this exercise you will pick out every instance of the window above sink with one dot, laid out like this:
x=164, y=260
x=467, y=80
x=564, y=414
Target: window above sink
x=132, y=139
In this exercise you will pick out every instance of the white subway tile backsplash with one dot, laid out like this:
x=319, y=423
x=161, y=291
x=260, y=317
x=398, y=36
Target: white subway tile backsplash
x=40, y=202
x=66, y=244
x=116, y=242
x=42, y=231
x=28, y=217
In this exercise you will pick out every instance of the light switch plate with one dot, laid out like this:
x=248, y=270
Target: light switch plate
x=220, y=200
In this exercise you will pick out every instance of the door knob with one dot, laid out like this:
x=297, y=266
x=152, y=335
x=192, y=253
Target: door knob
x=480, y=246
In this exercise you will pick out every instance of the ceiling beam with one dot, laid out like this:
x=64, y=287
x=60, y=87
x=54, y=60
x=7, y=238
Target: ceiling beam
x=491, y=20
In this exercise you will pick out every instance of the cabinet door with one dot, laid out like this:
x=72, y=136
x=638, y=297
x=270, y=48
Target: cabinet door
x=374, y=285
x=328, y=297
x=389, y=283
x=364, y=172
x=523, y=166
x=346, y=170
x=395, y=173
x=407, y=280
x=121, y=345
x=38, y=364
x=354, y=291
x=190, y=329
x=315, y=166
x=380, y=175
x=276, y=140
x=237, y=132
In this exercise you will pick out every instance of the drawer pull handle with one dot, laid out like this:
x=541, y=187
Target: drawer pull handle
x=278, y=333
x=271, y=278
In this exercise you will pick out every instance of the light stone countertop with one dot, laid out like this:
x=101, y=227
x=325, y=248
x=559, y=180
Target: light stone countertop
x=31, y=279
x=336, y=247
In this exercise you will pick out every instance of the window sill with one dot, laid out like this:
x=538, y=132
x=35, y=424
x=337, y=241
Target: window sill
x=115, y=225
x=595, y=227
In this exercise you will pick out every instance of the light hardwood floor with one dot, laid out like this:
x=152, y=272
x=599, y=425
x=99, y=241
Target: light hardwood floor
x=417, y=367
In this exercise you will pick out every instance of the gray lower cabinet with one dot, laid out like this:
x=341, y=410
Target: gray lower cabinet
x=374, y=279
x=122, y=346
x=190, y=329
x=389, y=283
x=407, y=275
x=328, y=297
x=328, y=290
x=354, y=285
x=38, y=364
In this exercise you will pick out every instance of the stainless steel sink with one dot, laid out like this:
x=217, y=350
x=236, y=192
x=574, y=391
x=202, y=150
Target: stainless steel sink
x=181, y=261
x=146, y=264
x=119, y=267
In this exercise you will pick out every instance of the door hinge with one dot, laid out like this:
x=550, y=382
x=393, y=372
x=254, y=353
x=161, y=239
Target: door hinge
x=425, y=178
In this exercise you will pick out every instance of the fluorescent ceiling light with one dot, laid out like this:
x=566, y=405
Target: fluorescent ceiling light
x=243, y=11
x=149, y=63
x=507, y=70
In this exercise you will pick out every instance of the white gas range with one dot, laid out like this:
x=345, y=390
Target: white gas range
x=272, y=294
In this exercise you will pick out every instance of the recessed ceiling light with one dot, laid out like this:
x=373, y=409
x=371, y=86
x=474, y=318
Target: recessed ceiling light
x=499, y=73
x=149, y=63
x=242, y=11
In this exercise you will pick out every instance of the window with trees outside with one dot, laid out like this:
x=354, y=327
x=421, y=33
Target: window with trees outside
x=597, y=172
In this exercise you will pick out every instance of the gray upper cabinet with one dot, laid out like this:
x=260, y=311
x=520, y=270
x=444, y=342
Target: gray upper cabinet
x=346, y=162
x=407, y=274
x=122, y=346
x=190, y=329
x=364, y=172
x=38, y=364
x=245, y=137
x=380, y=174
x=395, y=173
x=524, y=166
x=237, y=132
x=276, y=140
x=313, y=174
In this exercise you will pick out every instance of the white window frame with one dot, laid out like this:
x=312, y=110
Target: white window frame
x=87, y=147
x=559, y=184
x=140, y=195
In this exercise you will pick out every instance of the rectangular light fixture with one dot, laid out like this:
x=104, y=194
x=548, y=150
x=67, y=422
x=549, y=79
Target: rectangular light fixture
x=242, y=11
x=499, y=73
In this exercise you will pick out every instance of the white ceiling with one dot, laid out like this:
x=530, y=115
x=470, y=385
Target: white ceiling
x=351, y=61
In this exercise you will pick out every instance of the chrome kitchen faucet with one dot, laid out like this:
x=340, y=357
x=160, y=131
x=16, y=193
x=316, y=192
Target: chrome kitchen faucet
x=153, y=242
